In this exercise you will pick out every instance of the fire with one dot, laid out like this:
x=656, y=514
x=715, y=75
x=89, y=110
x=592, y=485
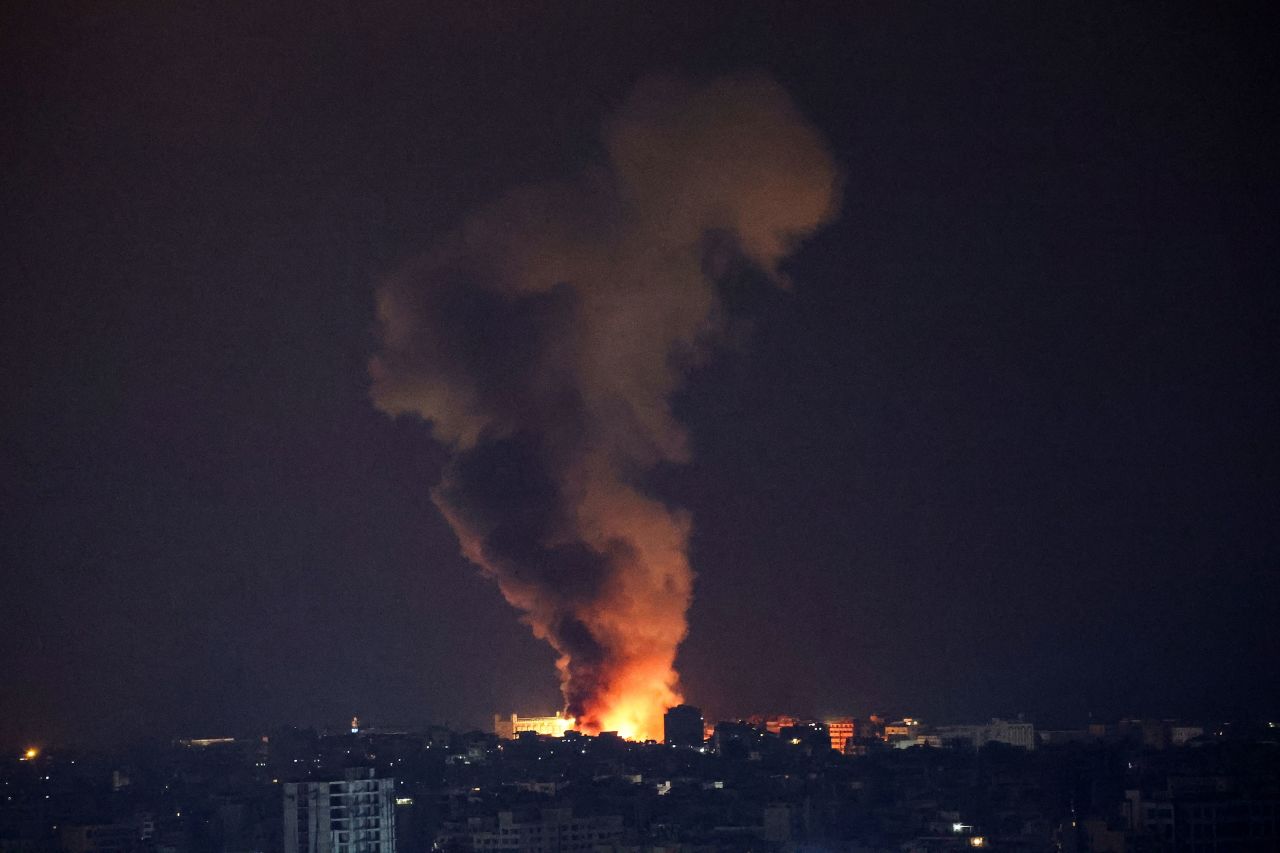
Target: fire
x=599, y=290
x=635, y=720
x=635, y=701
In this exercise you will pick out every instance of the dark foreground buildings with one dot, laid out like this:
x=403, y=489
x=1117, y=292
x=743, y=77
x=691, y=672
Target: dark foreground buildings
x=1133, y=787
x=682, y=726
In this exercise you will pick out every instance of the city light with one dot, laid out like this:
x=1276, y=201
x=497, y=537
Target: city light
x=30, y=754
x=977, y=841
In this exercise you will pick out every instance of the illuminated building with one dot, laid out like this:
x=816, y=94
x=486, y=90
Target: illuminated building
x=508, y=728
x=353, y=815
x=907, y=728
x=842, y=730
x=682, y=726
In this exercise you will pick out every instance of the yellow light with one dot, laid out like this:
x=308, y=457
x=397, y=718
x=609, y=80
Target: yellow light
x=31, y=753
x=977, y=841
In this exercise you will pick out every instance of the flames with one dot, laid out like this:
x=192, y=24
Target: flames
x=634, y=705
x=631, y=718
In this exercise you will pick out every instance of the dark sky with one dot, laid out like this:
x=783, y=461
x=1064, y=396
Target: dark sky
x=1008, y=444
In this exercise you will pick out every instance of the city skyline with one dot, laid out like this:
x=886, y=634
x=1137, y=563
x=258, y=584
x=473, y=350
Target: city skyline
x=890, y=785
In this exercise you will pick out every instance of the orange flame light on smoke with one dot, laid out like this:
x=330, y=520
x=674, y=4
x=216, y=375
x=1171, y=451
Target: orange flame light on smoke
x=543, y=340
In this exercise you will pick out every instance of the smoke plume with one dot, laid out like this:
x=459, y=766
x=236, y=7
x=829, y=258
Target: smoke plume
x=543, y=339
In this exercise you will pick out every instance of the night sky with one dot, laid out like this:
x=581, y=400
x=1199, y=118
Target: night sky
x=1007, y=444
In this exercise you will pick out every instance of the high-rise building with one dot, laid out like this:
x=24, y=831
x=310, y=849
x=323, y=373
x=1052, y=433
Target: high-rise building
x=682, y=726
x=353, y=815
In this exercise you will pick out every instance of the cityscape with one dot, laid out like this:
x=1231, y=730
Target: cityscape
x=639, y=426
x=767, y=783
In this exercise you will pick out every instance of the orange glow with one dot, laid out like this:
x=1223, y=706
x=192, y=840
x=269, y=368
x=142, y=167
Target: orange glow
x=31, y=753
x=633, y=711
x=841, y=730
x=637, y=620
x=636, y=697
x=613, y=315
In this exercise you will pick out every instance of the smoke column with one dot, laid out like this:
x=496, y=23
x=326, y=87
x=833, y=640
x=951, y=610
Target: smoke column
x=543, y=338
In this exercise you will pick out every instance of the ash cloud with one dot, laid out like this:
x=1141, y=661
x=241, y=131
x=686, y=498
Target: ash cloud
x=543, y=339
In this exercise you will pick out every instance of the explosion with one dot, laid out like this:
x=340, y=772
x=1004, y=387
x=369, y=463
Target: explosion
x=543, y=339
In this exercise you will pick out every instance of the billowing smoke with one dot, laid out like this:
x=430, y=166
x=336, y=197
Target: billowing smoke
x=543, y=339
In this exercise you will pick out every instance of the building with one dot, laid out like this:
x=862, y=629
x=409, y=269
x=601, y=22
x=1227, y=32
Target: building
x=905, y=729
x=1181, y=735
x=1012, y=732
x=682, y=726
x=1211, y=818
x=100, y=838
x=842, y=730
x=811, y=737
x=1157, y=734
x=775, y=725
x=551, y=831
x=736, y=739
x=508, y=727
x=353, y=815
